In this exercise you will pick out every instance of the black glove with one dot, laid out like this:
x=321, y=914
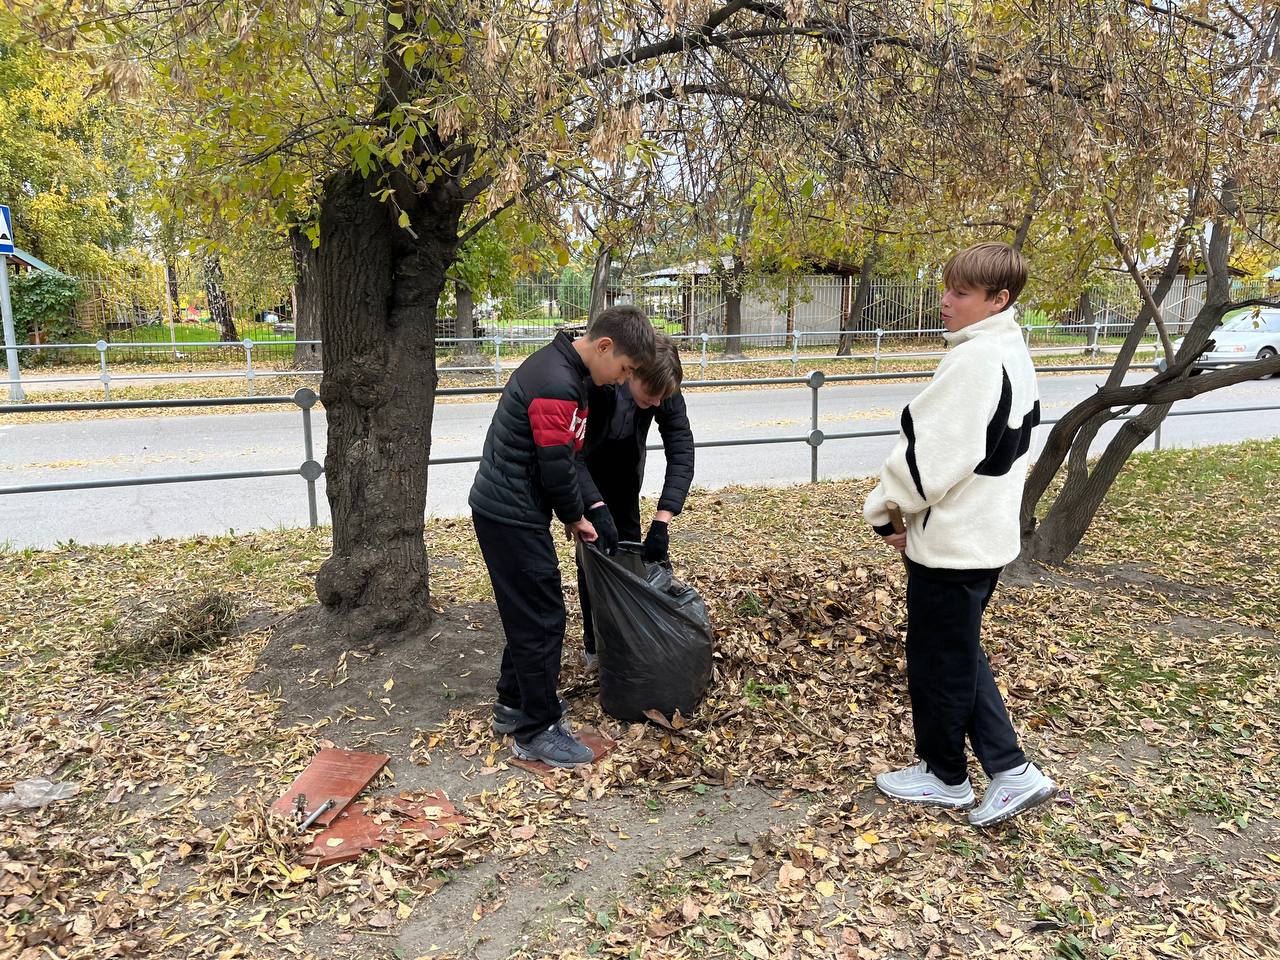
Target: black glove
x=657, y=545
x=606, y=529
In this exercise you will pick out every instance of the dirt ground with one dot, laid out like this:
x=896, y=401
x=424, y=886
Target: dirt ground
x=1142, y=678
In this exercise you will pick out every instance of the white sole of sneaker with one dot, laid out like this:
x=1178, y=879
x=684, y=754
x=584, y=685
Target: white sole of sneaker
x=937, y=800
x=1019, y=805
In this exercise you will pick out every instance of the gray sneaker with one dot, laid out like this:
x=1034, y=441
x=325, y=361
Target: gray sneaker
x=1012, y=792
x=510, y=719
x=917, y=784
x=556, y=748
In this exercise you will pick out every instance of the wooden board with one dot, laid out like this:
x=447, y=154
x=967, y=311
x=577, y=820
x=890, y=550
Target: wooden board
x=358, y=829
x=337, y=775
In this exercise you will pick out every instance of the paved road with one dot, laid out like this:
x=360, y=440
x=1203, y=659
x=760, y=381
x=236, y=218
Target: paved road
x=55, y=452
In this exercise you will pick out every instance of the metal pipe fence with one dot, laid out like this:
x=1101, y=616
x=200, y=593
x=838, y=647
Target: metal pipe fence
x=310, y=469
x=499, y=355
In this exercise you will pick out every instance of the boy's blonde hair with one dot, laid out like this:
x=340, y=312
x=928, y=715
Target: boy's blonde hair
x=663, y=376
x=990, y=267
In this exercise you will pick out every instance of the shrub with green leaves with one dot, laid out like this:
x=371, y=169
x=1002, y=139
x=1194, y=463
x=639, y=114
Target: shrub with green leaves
x=45, y=302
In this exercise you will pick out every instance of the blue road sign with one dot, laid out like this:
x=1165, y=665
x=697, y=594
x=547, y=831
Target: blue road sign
x=6, y=230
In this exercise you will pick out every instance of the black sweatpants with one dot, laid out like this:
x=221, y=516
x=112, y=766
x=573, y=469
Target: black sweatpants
x=525, y=573
x=616, y=473
x=953, y=693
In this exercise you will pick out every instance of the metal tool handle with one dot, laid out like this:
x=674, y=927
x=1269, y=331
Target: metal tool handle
x=316, y=814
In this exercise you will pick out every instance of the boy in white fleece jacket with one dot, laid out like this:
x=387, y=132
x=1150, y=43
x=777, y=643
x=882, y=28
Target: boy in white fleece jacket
x=957, y=473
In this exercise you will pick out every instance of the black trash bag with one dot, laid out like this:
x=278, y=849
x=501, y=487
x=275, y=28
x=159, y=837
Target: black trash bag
x=653, y=635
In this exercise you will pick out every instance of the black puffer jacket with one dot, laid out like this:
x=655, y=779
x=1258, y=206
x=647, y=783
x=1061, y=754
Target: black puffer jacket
x=677, y=444
x=530, y=465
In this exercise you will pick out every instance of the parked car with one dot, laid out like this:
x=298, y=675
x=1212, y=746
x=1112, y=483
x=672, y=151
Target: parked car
x=1253, y=336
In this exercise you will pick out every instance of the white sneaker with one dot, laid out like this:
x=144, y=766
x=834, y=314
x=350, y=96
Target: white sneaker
x=1012, y=792
x=916, y=784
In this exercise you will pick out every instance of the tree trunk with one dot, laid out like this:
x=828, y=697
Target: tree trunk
x=731, y=287
x=467, y=349
x=375, y=288
x=464, y=325
x=853, y=320
x=171, y=282
x=306, y=356
x=600, y=283
x=215, y=289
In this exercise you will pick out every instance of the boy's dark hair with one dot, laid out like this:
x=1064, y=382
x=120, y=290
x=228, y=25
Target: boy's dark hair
x=628, y=328
x=663, y=376
x=990, y=267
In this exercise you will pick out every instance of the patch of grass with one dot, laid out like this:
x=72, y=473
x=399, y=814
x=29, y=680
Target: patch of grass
x=757, y=692
x=165, y=630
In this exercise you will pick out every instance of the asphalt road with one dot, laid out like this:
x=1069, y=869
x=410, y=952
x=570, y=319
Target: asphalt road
x=166, y=446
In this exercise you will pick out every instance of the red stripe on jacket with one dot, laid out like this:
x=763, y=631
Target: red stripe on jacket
x=557, y=423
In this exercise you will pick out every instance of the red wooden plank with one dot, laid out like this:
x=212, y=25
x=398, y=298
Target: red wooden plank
x=337, y=775
x=359, y=829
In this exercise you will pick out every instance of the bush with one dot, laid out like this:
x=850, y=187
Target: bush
x=45, y=302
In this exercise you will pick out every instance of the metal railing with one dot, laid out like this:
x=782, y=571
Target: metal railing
x=310, y=470
x=500, y=354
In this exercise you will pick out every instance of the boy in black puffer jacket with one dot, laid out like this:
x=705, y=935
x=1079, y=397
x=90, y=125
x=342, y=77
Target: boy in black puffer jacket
x=529, y=469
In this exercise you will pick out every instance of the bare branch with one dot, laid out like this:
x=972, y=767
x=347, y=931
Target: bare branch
x=1123, y=248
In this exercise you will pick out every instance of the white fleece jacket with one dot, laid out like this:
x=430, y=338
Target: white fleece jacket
x=958, y=468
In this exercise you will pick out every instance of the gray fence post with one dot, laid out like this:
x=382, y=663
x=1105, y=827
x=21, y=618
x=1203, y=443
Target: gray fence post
x=1097, y=337
x=497, y=360
x=795, y=350
x=879, y=335
x=248, y=364
x=702, y=375
x=815, y=380
x=311, y=470
x=105, y=377
x=1158, y=426
x=1026, y=334
x=10, y=337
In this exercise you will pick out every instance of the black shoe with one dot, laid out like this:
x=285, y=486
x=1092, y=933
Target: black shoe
x=510, y=719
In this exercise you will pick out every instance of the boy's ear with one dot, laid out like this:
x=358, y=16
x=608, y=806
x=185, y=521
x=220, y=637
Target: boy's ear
x=1000, y=300
x=603, y=344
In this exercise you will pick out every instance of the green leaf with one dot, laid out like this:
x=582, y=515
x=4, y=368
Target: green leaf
x=404, y=219
x=395, y=20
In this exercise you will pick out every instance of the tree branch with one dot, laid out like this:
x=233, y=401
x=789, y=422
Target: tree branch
x=699, y=39
x=488, y=218
x=1123, y=248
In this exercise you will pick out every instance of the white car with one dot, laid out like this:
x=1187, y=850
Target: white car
x=1251, y=336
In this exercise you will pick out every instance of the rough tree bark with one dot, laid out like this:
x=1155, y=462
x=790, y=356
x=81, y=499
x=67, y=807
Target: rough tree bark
x=215, y=288
x=374, y=288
